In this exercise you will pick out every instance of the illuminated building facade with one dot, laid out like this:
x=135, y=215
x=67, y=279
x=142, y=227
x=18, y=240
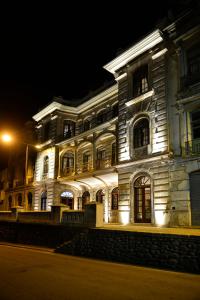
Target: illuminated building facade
x=135, y=147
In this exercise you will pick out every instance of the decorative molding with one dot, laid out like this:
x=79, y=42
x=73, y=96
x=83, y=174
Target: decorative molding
x=140, y=98
x=121, y=76
x=54, y=117
x=158, y=54
x=80, y=108
x=145, y=44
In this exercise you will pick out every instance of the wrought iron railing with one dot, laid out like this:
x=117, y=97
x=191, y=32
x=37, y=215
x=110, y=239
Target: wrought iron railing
x=192, y=147
x=103, y=163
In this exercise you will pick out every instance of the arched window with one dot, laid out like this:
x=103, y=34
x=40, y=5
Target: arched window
x=44, y=200
x=86, y=125
x=115, y=110
x=68, y=129
x=140, y=81
x=141, y=133
x=67, y=198
x=142, y=199
x=85, y=198
x=100, y=196
x=30, y=197
x=115, y=198
x=67, y=163
x=86, y=161
x=19, y=199
x=46, y=165
x=9, y=202
x=101, y=117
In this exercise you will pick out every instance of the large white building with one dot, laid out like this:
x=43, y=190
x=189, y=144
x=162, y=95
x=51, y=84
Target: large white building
x=134, y=146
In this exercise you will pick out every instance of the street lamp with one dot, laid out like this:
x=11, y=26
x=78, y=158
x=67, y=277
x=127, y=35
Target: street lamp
x=7, y=138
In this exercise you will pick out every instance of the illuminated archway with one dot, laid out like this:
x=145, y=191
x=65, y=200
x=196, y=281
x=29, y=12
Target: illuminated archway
x=67, y=198
x=142, y=200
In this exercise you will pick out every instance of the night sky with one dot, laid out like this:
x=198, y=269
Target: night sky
x=60, y=50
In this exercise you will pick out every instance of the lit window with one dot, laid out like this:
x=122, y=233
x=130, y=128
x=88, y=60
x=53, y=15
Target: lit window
x=68, y=129
x=68, y=162
x=141, y=133
x=46, y=165
x=140, y=81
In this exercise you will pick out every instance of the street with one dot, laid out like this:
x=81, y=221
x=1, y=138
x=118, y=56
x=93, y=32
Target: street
x=37, y=274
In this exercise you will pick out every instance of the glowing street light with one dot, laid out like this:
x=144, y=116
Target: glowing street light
x=6, y=138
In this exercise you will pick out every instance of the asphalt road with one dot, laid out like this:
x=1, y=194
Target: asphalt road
x=34, y=274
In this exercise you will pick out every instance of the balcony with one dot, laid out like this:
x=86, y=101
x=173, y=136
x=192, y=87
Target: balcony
x=67, y=171
x=192, y=148
x=84, y=167
x=103, y=163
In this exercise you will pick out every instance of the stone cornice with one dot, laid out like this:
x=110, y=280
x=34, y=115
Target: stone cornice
x=145, y=44
x=80, y=108
x=140, y=98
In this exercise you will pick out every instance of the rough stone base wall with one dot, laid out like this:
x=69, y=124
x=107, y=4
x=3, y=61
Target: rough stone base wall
x=174, y=252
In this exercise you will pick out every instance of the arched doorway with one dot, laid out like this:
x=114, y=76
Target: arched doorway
x=85, y=198
x=44, y=200
x=114, y=205
x=142, y=200
x=19, y=199
x=9, y=202
x=30, y=201
x=100, y=196
x=67, y=198
x=195, y=197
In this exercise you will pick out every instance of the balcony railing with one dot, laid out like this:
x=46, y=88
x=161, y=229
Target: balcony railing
x=67, y=171
x=103, y=163
x=84, y=167
x=192, y=147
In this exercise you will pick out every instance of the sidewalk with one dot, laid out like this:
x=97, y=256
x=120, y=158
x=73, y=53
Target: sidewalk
x=26, y=246
x=152, y=229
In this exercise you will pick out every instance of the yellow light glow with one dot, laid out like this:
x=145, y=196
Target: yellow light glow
x=161, y=218
x=124, y=217
x=6, y=138
x=38, y=146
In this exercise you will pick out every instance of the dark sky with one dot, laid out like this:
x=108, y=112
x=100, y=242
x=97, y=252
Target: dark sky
x=60, y=50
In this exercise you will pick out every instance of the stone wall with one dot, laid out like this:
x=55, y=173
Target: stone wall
x=174, y=252
x=45, y=235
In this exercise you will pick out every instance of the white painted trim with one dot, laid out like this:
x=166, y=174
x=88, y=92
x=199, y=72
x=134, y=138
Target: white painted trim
x=121, y=76
x=80, y=108
x=38, y=126
x=150, y=159
x=145, y=44
x=158, y=54
x=140, y=98
x=54, y=117
x=45, y=144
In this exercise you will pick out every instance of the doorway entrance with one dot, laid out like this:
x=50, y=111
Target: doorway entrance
x=142, y=200
x=67, y=198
